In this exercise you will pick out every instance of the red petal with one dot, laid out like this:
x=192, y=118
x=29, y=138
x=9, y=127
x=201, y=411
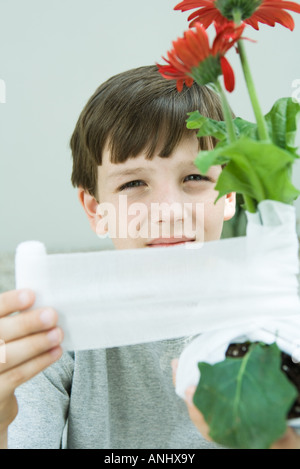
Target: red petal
x=189, y=81
x=190, y=4
x=206, y=17
x=271, y=17
x=269, y=12
x=184, y=54
x=179, y=85
x=226, y=37
x=203, y=40
x=283, y=4
x=228, y=74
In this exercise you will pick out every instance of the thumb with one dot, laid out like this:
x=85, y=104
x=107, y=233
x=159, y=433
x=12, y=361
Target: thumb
x=174, y=364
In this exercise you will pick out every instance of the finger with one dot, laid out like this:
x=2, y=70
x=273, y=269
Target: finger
x=15, y=300
x=25, y=349
x=174, y=364
x=195, y=415
x=26, y=323
x=290, y=440
x=14, y=377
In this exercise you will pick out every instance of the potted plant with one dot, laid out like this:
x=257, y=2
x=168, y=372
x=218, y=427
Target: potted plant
x=247, y=376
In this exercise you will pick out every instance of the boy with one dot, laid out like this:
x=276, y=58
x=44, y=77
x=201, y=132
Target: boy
x=130, y=140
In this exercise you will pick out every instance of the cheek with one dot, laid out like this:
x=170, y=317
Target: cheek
x=213, y=219
x=130, y=226
x=132, y=215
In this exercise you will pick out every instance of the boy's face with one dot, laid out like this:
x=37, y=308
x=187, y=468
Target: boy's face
x=158, y=202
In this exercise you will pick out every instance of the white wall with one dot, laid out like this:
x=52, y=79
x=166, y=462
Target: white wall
x=53, y=56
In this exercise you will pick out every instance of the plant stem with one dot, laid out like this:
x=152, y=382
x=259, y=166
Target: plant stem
x=249, y=202
x=227, y=113
x=260, y=120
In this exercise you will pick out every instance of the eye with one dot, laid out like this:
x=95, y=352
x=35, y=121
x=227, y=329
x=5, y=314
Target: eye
x=196, y=177
x=131, y=184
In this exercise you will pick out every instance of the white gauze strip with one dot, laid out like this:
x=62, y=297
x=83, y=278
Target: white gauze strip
x=114, y=298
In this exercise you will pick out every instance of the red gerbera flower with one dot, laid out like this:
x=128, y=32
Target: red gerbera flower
x=193, y=59
x=252, y=12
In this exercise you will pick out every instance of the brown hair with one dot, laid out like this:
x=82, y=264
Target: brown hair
x=132, y=112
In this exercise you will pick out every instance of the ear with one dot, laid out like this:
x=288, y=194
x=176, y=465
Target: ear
x=90, y=205
x=230, y=204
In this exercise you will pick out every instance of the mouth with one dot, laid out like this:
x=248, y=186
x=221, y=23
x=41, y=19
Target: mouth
x=168, y=242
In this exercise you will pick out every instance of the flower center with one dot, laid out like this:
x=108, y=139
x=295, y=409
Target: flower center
x=208, y=70
x=246, y=8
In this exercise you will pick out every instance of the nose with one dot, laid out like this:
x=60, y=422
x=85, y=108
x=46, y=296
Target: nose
x=169, y=206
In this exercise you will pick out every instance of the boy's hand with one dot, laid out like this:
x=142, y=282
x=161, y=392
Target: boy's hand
x=290, y=440
x=195, y=415
x=29, y=343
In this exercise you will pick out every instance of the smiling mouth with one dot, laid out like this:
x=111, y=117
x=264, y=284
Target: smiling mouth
x=168, y=242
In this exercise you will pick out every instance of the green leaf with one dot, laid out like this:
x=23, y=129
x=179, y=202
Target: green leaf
x=282, y=123
x=246, y=128
x=212, y=128
x=259, y=170
x=245, y=401
x=207, y=127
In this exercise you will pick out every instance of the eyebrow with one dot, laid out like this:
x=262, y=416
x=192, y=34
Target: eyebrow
x=128, y=172
x=134, y=171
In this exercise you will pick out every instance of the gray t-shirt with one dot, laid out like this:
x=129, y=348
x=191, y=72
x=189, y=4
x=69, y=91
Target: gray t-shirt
x=117, y=398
